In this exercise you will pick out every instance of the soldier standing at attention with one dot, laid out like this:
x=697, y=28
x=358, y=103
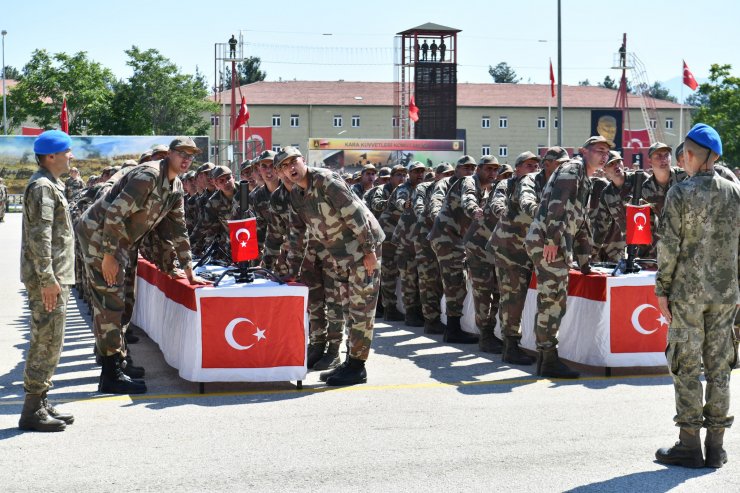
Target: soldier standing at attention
x=47, y=270
x=73, y=184
x=367, y=180
x=559, y=231
x=697, y=290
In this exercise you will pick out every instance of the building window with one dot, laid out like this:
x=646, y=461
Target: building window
x=294, y=121
x=214, y=121
x=485, y=122
x=555, y=123
x=275, y=120
x=276, y=147
x=503, y=122
x=338, y=121
x=669, y=123
x=541, y=122
x=653, y=123
x=485, y=150
x=355, y=121
x=503, y=151
x=297, y=146
x=394, y=121
x=214, y=151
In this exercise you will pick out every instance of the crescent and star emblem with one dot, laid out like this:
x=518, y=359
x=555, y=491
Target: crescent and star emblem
x=640, y=227
x=229, y=333
x=636, y=319
x=240, y=231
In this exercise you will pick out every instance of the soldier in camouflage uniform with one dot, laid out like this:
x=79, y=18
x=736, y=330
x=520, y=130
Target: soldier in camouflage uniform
x=115, y=224
x=191, y=206
x=73, y=184
x=266, y=221
x=608, y=238
x=350, y=235
x=219, y=209
x=479, y=261
x=3, y=200
x=47, y=271
x=205, y=190
x=446, y=240
x=368, y=176
x=697, y=290
x=559, y=233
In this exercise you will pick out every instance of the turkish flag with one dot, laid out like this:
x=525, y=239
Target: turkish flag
x=252, y=332
x=243, y=238
x=64, y=117
x=636, y=324
x=638, y=225
x=552, y=80
x=243, y=116
x=413, y=110
x=688, y=78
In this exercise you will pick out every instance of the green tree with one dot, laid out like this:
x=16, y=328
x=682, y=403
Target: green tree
x=722, y=109
x=247, y=72
x=584, y=83
x=158, y=99
x=503, y=74
x=12, y=73
x=659, y=91
x=608, y=83
x=47, y=79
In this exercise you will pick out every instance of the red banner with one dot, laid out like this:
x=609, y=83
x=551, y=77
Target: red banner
x=638, y=225
x=636, y=138
x=64, y=118
x=243, y=237
x=413, y=110
x=257, y=139
x=253, y=332
x=637, y=326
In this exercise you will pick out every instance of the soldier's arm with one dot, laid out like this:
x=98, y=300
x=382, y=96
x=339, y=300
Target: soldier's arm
x=179, y=234
x=39, y=211
x=469, y=197
x=130, y=200
x=378, y=201
x=437, y=199
x=351, y=211
x=497, y=200
x=297, y=239
x=602, y=221
x=418, y=202
x=528, y=200
x=669, y=244
x=401, y=196
x=561, y=202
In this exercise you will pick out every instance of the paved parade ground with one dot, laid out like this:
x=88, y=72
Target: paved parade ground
x=432, y=417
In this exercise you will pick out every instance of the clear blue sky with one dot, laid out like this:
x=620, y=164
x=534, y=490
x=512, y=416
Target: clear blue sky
x=289, y=35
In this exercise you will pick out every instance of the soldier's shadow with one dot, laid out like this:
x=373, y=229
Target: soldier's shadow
x=653, y=481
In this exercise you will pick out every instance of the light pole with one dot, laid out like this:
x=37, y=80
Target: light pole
x=5, y=113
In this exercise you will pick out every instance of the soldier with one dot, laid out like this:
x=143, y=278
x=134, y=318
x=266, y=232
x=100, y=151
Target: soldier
x=697, y=290
x=47, y=270
x=559, y=232
x=514, y=203
x=219, y=209
x=479, y=261
x=679, y=155
x=446, y=239
x=3, y=200
x=338, y=220
x=608, y=238
x=73, y=184
x=205, y=189
x=159, y=152
x=260, y=201
x=191, y=206
x=136, y=204
x=145, y=156
x=384, y=176
x=368, y=175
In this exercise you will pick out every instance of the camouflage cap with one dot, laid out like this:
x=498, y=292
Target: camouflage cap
x=429, y=175
x=184, y=143
x=219, y=171
x=613, y=156
x=266, y=155
x=205, y=167
x=285, y=154
x=556, y=153
x=355, y=175
x=505, y=168
x=416, y=165
x=145, y=156
x=160, y=148
x=598, y=139
x=368, y=167
x=116, y=169
x=128, y=163
x=444, y=168
x=679, y=150
x=488, y=159
x=465, y=160
x=245, y=164
x=384, y=172
x=525, y=156
x=189, y=175
x=658, y=146
x=399, y=168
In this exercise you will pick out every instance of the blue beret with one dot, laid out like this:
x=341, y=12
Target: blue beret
x=51, y=142
x=706, y=136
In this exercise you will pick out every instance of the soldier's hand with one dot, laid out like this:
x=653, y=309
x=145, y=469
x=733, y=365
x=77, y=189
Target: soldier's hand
x=549, y=252
x=49, y=296
x=110, y=269
x=370, y=261
x=198, y=281
x=478, y=214
x=178, y=274
x=664, y=308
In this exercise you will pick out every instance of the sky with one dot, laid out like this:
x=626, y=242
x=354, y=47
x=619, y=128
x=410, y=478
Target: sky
x=332, y=40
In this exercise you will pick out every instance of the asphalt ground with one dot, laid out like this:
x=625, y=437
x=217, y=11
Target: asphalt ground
x=432, y=417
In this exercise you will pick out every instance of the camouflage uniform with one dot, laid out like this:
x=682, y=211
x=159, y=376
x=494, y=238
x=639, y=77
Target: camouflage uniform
x=218, y=210
x=202, y=223
x=115, y=225
x=430, y=282
x=562, y=221
x=401, y=239
x=3, y=201
x=47, y=257
x=382, y=192
x=654, y=194
x=388, y=220
x=259, y=200
x=72, y=186
x=698, y=273
x=341, y=223
x=191, y=212
x=280, y=210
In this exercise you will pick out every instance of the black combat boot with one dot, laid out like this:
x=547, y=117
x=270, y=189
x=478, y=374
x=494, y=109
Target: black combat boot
x=35, y=417
x=379, y=311
x=686, y=452
x=114, y=381
x=412, y=318
x=135, y=372
x=549, y=365
x=489, y=343
x=454, y=333
x=324, y=375
x=330, y=359
x=351, y=372
x=314, y=353
x=130, y=337
x=434, y=326
x=715, y=455
x=392, y=314
x=513, y=353
x=54, y=413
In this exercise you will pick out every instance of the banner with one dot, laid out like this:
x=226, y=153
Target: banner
x=638, y=225
x=636, y=324
x=243, y=238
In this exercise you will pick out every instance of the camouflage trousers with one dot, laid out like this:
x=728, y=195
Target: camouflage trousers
x=485, y=289
x=514, y=273
x=129, y=288
x=613, y=248
x=552, y=294
x=451, y=258
x=389, y=274
x=325, y=307
x=108, y=305
x=407, y=267
x=430, y=282
x=2, y=210
x=361, y=298
x=47, y=337
x=701, y=334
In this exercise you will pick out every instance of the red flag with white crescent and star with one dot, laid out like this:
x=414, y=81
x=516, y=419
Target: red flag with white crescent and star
x=638, y=225
x=688, y=77
x=635, y=322
x=64, y=118
x=552, y=81
x=413, y=110
x=243, y=238
x=243, y=116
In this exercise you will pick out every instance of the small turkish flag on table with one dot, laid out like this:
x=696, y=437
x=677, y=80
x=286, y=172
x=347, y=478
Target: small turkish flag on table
x=243, y=237
x=636, y=324
x=638, y=225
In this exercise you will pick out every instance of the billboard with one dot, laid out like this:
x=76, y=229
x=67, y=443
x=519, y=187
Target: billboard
x=608, y=124
x=350, y=154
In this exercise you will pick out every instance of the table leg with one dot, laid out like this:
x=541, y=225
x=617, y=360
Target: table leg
x=202, y=387
x=299, y=385
x=608, y=371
